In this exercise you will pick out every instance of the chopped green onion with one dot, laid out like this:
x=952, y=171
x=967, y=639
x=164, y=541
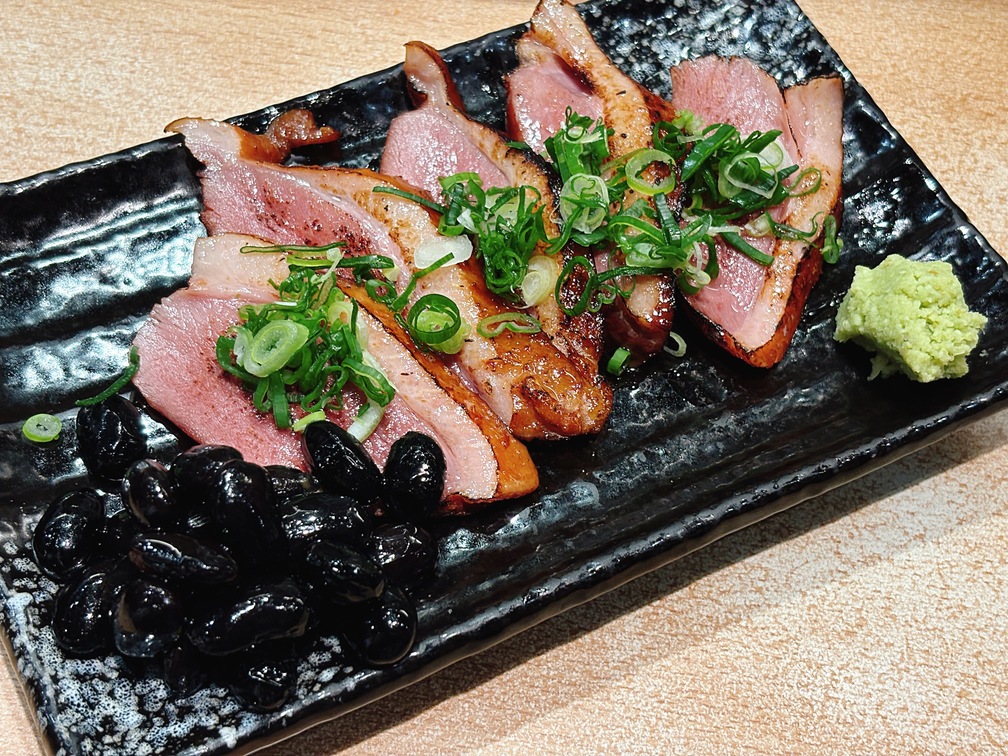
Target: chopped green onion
x=747, y=249
x=305, y=347
x=832, y=244
x=679, y=350
x=638, y=161
x=493, y=326
x=618, y=361
x=584, y=202
x=434, y=321
x=274, y=346
x=457, y=249
x=303, y=422
x=125, y=377
x=410, y=196
x=539, y=280
x=366, y=422
x=42, y=428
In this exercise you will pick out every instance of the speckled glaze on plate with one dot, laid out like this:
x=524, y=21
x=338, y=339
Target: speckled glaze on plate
x=696, y=448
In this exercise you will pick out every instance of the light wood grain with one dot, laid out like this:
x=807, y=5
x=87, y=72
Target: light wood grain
x=871, y=619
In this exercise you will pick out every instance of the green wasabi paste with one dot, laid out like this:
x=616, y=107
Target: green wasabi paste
x=912, y=316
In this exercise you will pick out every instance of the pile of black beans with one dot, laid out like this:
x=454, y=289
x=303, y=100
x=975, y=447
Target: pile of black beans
x=217, y=570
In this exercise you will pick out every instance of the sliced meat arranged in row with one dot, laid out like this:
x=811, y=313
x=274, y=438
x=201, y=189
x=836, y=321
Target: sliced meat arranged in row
x=477, y=403
x=532, y=387
x=750, y=309
x=180, y=377
x=561, y=67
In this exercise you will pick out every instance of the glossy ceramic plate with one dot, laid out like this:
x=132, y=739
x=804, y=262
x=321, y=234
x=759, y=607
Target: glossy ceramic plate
x=696, y=447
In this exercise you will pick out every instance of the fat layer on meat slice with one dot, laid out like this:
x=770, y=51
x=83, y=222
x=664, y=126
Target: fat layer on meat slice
x=750, y=309
x=532, y=387
x=641, y=322
x=439, y=139
x=180, y=377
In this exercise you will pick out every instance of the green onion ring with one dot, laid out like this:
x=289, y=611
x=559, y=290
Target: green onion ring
x=42, y=428
x=493, y=326
x=618, y=361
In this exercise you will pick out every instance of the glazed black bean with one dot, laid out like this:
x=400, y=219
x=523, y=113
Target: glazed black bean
x=110, y=438
x=246, y=515
x=82, y=616
x=151, y=494
x=148, y=619
x=253, y=616
x=340, y=462
x=414, y=477
x=196, y=471
x=290, y=483
x=69, y=533
x=381, y=632
x=180, y=558
x=264, y=680
x=343, y=574
x=120, y=531
x=311, y=518
x=406, y=553
x=184, y=669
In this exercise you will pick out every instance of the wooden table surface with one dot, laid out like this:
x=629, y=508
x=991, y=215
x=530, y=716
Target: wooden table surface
x=871, y=619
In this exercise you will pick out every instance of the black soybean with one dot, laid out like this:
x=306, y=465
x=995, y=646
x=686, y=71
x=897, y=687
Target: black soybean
x=151, y=494
x=414, y=477
x=340, y=462
x=110, y=437
x=120, y=531
x=185, y=670
x=179, y=558
x=264, y=680
x=196, y=471
x=312, y=518
x=290, y=483
x=82, y=619
x=246, y=514
x=69, y=533
x=381, y=632
x=253, y=616
x=148, y=620
x=345, y=575
x=407, y=553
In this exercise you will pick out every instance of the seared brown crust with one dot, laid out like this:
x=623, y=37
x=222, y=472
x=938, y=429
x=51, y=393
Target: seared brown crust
x=516, y=473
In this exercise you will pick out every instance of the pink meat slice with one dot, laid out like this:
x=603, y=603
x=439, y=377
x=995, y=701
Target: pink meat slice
x=750, y=309
x=541, y=90
x=439, y=139
x=424, y=145
x=180, y=377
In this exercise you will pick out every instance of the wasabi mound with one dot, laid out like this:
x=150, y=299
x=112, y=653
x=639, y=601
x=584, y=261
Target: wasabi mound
x=912, y=315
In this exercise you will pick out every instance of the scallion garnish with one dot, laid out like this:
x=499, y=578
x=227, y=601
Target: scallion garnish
x=307, y=346
x=618, y=361
x=434, y=321
x=493, y=326
x=124, y=378
x=42, y=428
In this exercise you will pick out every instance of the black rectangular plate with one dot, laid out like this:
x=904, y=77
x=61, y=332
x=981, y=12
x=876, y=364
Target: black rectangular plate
x=696, y=447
